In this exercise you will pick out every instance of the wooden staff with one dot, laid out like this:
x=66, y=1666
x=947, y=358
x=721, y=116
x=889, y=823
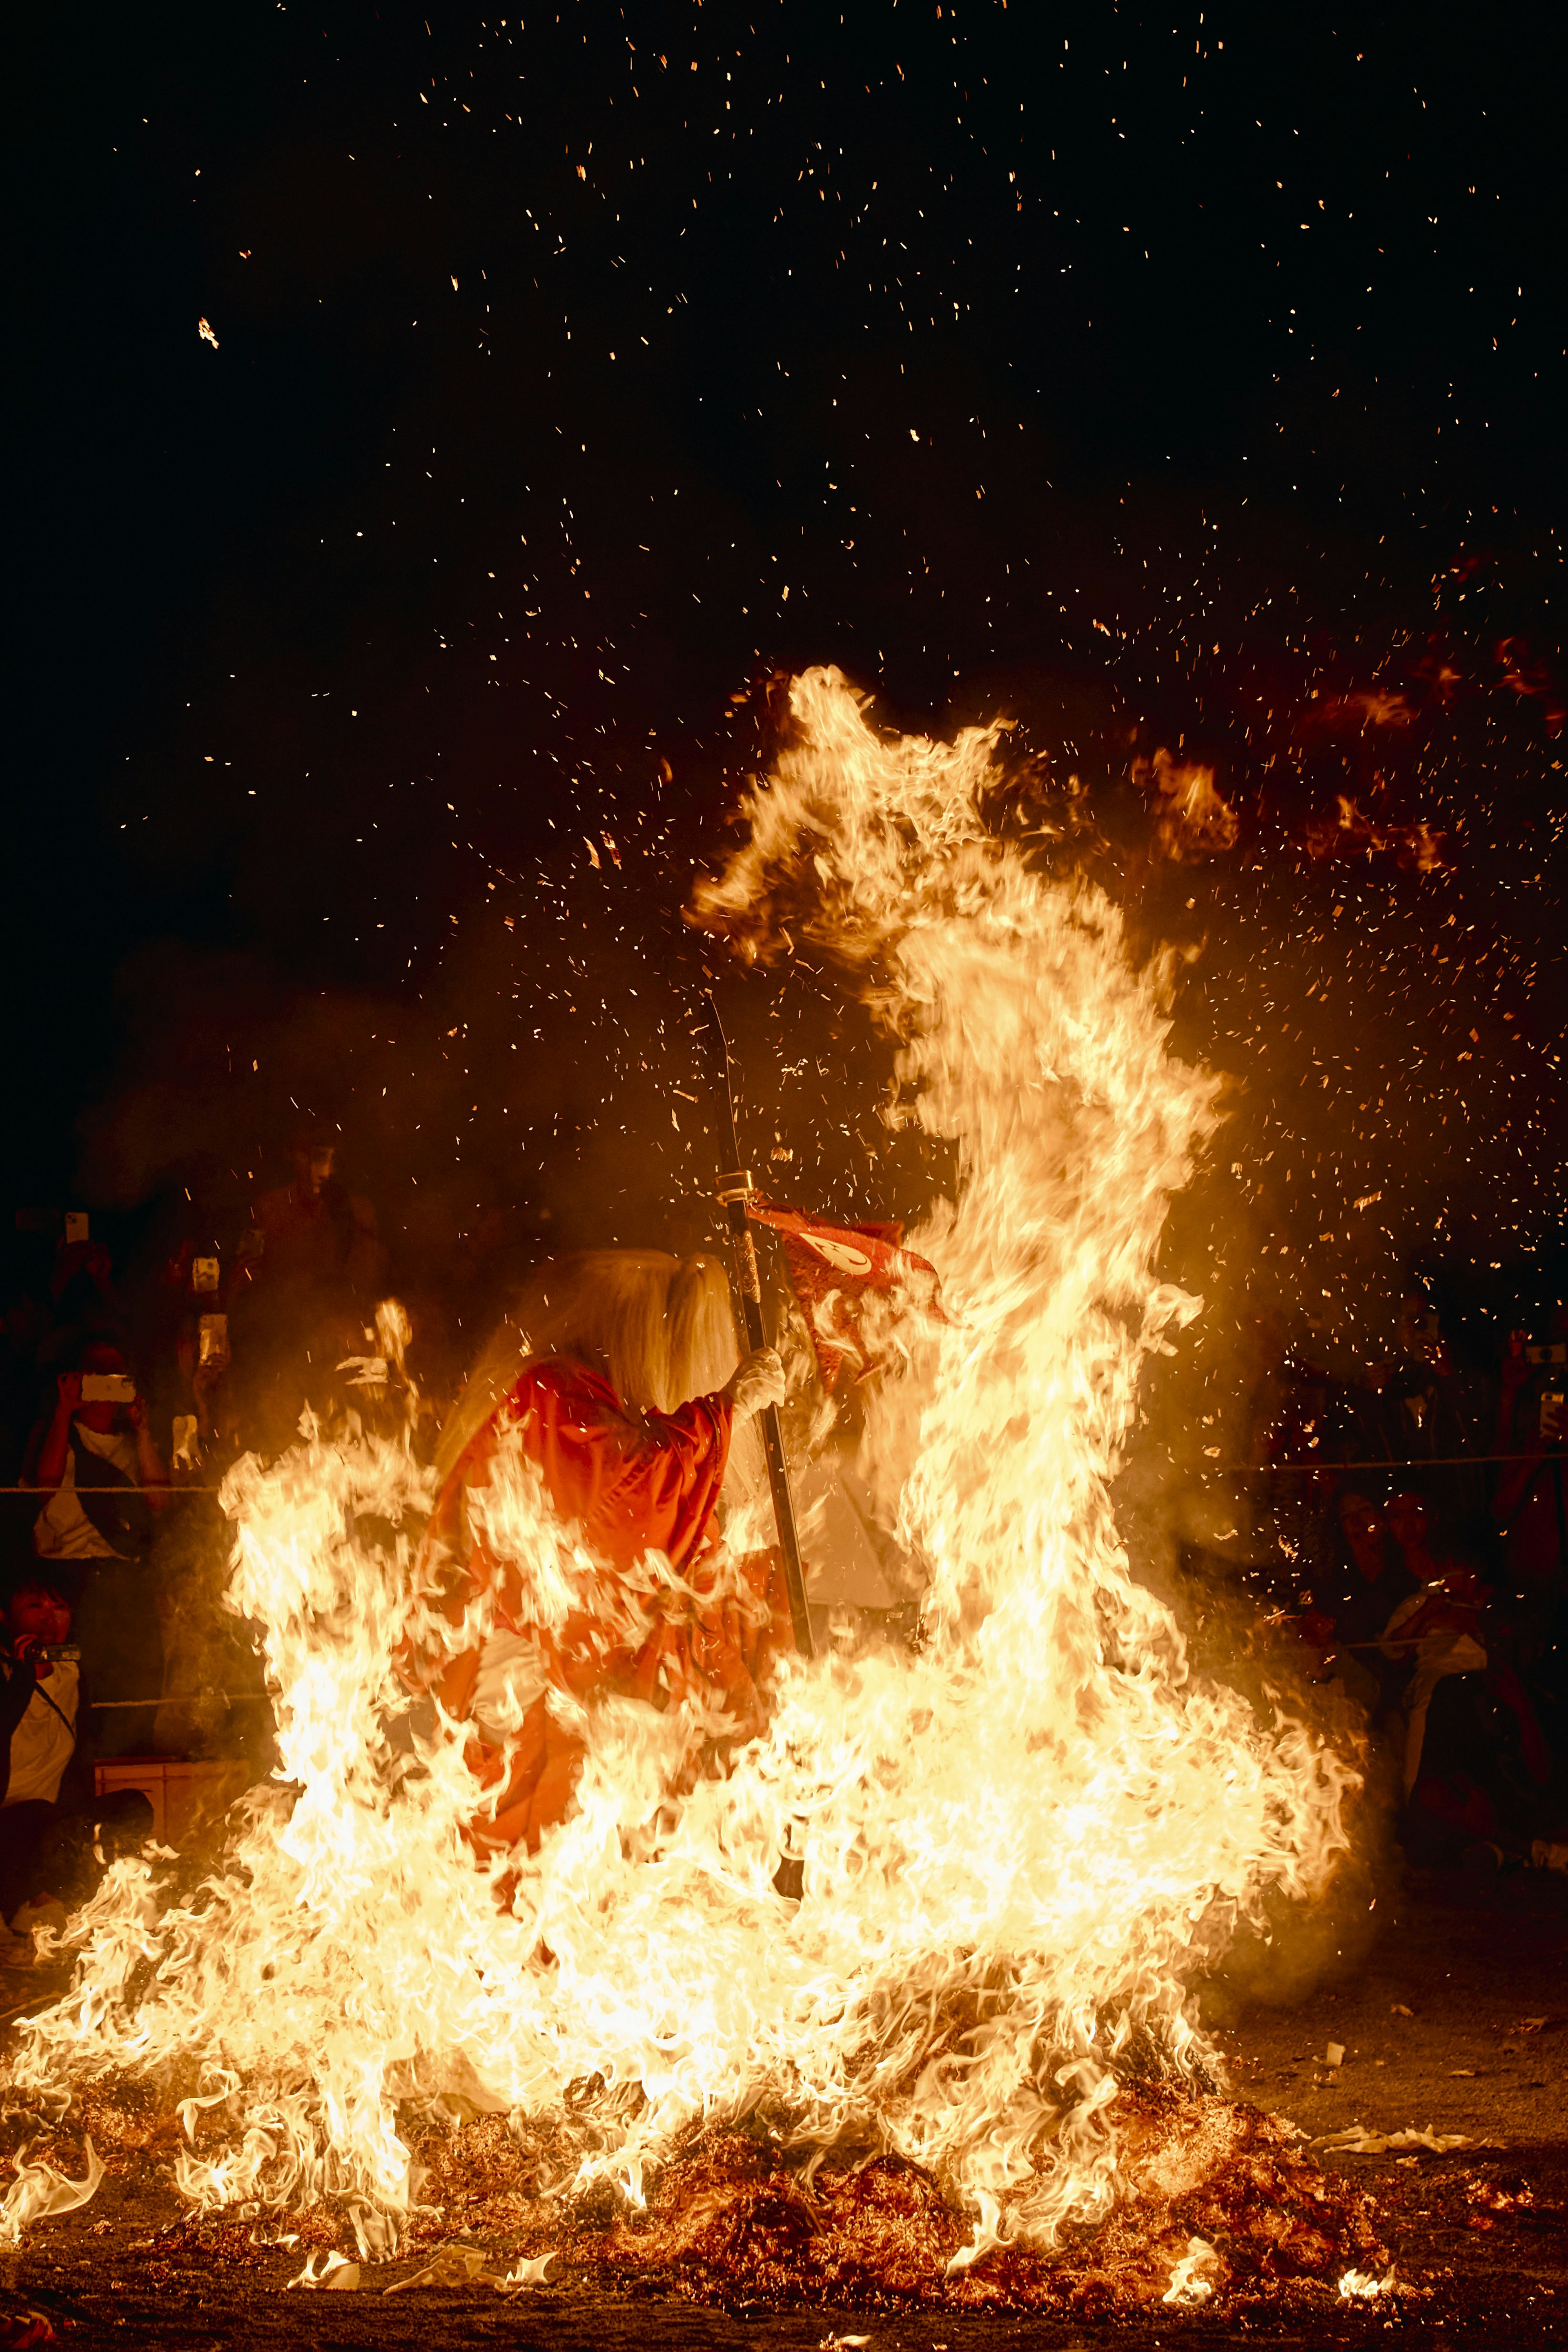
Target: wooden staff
x=734, y=1188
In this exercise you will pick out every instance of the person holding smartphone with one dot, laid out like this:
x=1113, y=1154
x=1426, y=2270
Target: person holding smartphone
x=97, y=1457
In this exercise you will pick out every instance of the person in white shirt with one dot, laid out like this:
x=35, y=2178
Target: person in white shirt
x=97, y=1457
x=48, y=1815
x=42, y=1717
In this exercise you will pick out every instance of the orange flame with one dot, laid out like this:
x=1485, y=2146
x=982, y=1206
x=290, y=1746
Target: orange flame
x=1016, y=1842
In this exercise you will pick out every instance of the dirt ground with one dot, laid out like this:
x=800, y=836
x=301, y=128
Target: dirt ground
x=1456, y=2020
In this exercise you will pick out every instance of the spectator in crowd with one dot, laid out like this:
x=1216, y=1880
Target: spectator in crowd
x=97, y=1457
x=1409, y=1524
x=205, y=1662
x=1424, y=1414
x=43, y=1722
x=48, y=1812
x=1361, y=1583
x=1528, y=1501
x=206, y=1415
x=85, y=1303
x=314, y=1268
x=1477, y=1767
x=319, y=1240
x=1304, y=1415
x=187, y=1285
x=1436, y=1629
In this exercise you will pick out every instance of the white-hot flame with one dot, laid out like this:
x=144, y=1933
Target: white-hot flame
x=1012, y=1841
x=1188, y=2287
x=1364, y=2286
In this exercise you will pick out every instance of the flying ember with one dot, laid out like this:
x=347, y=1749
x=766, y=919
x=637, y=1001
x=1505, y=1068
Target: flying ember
x=1018, y=1836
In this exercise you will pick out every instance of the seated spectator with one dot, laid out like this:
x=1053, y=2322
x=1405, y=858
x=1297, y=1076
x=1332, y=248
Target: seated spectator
x=47, y=1812
x=97, y=1456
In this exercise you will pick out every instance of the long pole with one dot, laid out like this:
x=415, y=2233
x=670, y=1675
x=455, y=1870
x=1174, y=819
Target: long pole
x=734, y=1188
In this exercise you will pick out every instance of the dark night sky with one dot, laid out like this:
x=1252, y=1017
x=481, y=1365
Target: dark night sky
x=1166, y=378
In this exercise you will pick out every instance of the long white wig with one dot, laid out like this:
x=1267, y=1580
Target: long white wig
x=660, y=1328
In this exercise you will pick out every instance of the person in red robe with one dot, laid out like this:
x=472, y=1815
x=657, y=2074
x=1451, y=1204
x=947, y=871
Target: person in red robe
x=582, y=1474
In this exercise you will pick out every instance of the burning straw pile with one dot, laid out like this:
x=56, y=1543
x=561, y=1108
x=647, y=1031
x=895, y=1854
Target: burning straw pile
x=967, y=2045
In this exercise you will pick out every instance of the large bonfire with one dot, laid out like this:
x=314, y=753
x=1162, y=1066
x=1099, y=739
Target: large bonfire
x=1017, y=1834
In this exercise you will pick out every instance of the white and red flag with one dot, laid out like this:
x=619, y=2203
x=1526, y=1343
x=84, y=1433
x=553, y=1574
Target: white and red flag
x=864, y=1297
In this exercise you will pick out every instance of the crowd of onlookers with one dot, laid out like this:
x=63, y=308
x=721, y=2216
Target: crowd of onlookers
x=1419, y=1521
x=1411, y=1549
x=120, y=1410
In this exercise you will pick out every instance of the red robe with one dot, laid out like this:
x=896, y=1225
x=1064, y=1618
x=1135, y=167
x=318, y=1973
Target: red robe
x=628, y=1485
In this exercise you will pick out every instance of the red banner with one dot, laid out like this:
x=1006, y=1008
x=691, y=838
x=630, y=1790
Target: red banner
x=862, y=1294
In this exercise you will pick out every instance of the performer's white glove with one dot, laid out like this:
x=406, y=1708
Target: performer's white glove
x=757, y=1381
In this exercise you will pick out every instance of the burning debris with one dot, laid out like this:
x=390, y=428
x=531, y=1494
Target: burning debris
x=963, y=2061
x=1192, y=820
x=1219, y=2199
